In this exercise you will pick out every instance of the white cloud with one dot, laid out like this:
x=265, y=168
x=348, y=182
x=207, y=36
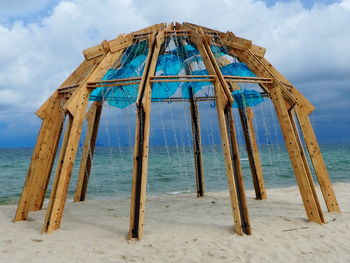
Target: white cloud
x=307, y=45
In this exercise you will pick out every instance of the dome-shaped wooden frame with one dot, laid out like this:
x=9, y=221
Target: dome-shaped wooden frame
x=70, y=101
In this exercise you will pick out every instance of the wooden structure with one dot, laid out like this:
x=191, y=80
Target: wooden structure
x=68, y=104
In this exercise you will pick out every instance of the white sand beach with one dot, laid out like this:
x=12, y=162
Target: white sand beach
x=182, y=228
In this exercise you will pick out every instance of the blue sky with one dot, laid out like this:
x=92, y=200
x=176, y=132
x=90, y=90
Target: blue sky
x=41, y=43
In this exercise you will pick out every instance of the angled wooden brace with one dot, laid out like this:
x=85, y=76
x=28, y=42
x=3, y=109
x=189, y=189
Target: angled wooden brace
x=42, y=159
x=76, y=109
x=300, y=167
x=143, y=103
x=229, y=144
x=197, y=145
x=317, y=160
x=51, y=112
x=246, y=116
x=93, y=119
x=281, y=99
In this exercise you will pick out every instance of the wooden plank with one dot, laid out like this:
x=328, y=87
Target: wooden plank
x=151, y=29
x=210, y=63
x=292, y=145
x=237, y=170
x=246, y=116
x=236, y=210
x=80, y=73
x=42, y=157
x=317, y=160
x=197, y=145
x=139, y=179
x=299, y=98
x=223, y=98
x=46, y=163
x=258, y=51
x=93, y=119
x=306, y=165
x=119, y=43
x=230, y=40
x=261, y=69
x=76, y=106
x=96, y=51
x=57, y=174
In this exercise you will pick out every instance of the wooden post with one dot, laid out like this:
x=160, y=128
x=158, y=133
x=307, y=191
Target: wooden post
x=308, y=197
x=237, y=170
x=246, y=116
x=139, y=178
x=224, y=101
x=197, y=145
x=64, y=171
x=261, y=69
x=76, y=108
x=317, y=160
x=42, y=159
x=306, y=165
x=93, y=120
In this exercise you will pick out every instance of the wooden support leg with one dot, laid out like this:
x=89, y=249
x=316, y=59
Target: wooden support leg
x=223, y=99
x=308, y=197
x=306, y=165
x=197, y=146
x=139, y=174
x=93, y=119
x=317, y=160
x=246, y=116
x=42, y=160
x=65, y=166
x=139, y=178
x=233, y=169
x=42, y=184
x=237, y=171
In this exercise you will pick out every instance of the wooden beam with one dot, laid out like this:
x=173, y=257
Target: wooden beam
x=224, y=101
x=306, y=165
x=96, y=51
x=120, y=43
x=197, y=145
x=42, y=159
x=93, y=120
x=76, y=107
x=317, y=160
x=60, y=160
x=246, y=115
x=238, y=174
x=232, y=163
x=210, y=63
x=46, y=163
x=298, y=97
x=261, y=68
x=230, y=40
x=139, y=179
x=308, y=197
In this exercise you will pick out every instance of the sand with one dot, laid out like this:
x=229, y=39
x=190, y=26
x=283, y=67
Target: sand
x=182, y=228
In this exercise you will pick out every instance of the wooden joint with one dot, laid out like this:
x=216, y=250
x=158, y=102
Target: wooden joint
x=97, y=50
x=120, y=43
x=230, y=40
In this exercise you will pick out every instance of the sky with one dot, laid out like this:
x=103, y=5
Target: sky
x=41, y=43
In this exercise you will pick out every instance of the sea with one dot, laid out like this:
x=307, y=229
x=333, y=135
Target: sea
x=170, y=171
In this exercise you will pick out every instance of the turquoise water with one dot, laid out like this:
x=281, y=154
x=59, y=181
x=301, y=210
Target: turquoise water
x=171, y=170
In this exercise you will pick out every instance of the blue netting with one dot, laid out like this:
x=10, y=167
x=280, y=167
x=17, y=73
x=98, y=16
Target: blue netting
x=246, y=98
x=230, y=65
x=180, y=58
x=177, y=57
x=131, y=65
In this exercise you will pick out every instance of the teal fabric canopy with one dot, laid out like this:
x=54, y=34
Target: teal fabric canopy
x=178, y=56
